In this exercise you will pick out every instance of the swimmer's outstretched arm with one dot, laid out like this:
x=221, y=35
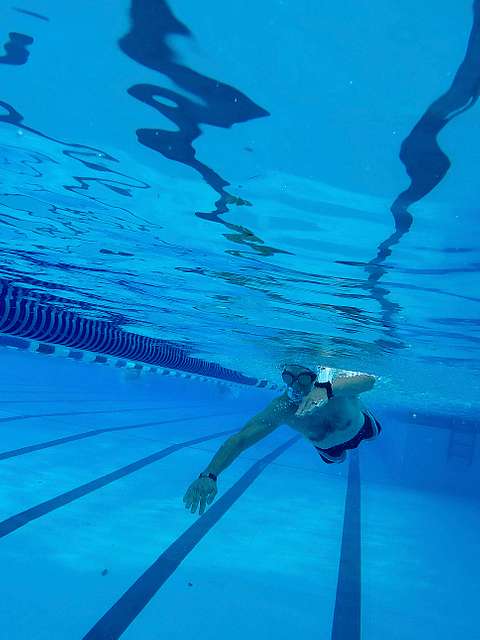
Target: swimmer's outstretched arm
x=203, y=490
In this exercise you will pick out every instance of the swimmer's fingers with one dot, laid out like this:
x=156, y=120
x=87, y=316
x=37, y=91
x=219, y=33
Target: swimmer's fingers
x=205, y=496
x=203, y=504
x=208, y=497
x=212, y=494
x=200, y=493
x=302, y=406
x=187, y=498
x=315, y=404
x=191, y=497
x=306, y=406
x=195, y=501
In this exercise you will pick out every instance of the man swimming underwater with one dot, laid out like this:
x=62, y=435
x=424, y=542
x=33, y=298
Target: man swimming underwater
x=329, y=414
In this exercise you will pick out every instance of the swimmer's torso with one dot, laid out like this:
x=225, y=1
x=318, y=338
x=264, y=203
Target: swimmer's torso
x=339, y=420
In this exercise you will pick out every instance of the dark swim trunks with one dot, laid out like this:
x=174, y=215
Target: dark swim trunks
x=370, y=430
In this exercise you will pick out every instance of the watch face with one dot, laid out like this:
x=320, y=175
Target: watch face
x=327, y=386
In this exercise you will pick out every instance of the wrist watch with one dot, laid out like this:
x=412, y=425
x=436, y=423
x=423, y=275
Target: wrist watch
x=325, y=385
x=212, y=476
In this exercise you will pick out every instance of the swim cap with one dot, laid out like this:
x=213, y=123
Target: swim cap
x=324, y=374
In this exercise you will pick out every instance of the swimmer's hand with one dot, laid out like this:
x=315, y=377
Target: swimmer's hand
x=201, y=492
x=314, y=400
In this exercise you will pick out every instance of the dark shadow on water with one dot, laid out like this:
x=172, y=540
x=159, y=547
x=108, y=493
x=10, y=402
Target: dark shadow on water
x=426, y=165
x=220, y=105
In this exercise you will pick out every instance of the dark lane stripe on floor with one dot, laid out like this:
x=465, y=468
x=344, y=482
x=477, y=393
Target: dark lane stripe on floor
x=27, y=416
x=24, y=517
x=13, y=453
x=115, y=622
x=346, y=617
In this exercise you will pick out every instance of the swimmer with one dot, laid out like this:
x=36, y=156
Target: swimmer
x=328, y=414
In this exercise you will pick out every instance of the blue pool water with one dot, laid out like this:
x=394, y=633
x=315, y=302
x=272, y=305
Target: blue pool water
x=192, y=195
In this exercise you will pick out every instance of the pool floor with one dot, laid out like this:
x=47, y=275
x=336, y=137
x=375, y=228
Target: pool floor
x=96, y=542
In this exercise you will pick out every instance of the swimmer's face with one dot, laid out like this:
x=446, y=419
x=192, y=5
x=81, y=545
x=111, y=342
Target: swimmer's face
x=298, y=378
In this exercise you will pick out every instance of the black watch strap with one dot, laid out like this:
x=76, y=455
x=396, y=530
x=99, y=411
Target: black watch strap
x=327, y=386
x=212, y=476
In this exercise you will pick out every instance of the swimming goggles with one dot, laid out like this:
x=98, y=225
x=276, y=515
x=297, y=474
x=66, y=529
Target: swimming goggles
x=304, y=378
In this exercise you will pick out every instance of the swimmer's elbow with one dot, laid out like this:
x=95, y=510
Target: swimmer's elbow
x=365, y=382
